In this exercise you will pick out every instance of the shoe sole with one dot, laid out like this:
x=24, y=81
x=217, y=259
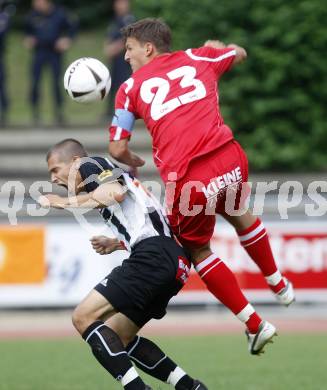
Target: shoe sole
x=260, y=351
x=288, y=304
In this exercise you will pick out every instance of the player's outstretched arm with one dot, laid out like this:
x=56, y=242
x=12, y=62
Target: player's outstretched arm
x=103, y=196
x=105, y=245
x=120, y=151
x=240, y=51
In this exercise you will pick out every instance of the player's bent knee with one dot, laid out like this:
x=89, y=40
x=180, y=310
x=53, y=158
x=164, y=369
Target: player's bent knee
x=82, y=319
x=77, y=320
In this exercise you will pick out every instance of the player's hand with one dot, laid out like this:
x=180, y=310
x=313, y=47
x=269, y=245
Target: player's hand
x=137, y=161
x=105, y=245
x=51, y=200
x=215, y=44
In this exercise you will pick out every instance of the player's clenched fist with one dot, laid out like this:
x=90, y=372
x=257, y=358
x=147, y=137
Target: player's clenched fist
x=105, y=245
x=215, y=44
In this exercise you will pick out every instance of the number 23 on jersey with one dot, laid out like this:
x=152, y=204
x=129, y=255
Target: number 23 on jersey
x=159, y=107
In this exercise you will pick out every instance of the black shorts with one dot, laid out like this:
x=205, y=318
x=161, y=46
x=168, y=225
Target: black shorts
x=145, y=282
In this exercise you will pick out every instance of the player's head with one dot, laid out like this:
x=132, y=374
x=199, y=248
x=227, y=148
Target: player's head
x=144, y=40
x=63, y=164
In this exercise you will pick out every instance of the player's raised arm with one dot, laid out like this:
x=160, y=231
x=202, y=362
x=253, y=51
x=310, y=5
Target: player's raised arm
x=240, y=52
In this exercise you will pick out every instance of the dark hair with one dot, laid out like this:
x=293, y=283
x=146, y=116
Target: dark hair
x=151, y=30
x=68, y=148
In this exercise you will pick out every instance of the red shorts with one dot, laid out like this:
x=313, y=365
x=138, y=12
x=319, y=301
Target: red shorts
x=211, y=185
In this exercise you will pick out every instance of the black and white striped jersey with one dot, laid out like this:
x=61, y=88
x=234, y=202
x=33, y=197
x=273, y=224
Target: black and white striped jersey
x=138, y=216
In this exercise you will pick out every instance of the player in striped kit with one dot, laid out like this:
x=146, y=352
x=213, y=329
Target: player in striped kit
x=111, y=315
x=176, y=94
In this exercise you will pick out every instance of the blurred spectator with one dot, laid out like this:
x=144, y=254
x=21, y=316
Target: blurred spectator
x=49, y=32
x=115, y=50
x=4, y=23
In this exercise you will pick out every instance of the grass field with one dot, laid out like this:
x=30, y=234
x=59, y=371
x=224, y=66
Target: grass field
x=222, y=362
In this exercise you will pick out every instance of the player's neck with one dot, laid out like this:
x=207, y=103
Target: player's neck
x=157, y=55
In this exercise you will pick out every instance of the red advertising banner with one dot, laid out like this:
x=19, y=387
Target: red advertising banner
x=300, y=252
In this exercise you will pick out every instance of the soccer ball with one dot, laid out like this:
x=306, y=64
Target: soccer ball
x=87, y=80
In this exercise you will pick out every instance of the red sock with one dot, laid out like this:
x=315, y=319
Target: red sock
x=255, y=241
x=221, y=282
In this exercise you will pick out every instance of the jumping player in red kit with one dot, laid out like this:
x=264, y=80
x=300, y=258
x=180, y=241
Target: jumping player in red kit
x=203, y=167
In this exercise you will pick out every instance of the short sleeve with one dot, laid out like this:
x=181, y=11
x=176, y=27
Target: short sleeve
x=96, y=171
x=124, y=118
x=219, y=59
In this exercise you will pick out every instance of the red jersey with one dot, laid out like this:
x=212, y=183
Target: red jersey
x=176, y=94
